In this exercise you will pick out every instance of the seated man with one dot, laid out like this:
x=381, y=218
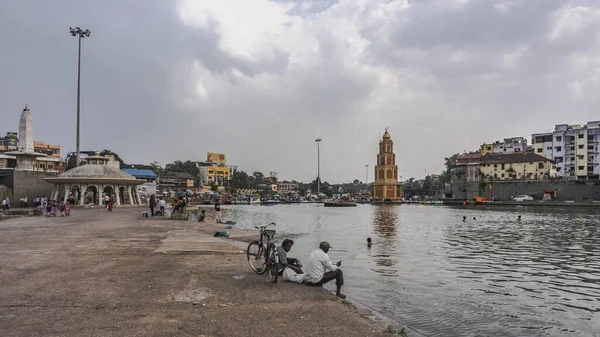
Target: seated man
x=285, y=261
x=179, y=207
x=320, y=270
x=201, y=216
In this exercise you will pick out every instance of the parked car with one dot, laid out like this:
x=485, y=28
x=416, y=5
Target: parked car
x=523, y=198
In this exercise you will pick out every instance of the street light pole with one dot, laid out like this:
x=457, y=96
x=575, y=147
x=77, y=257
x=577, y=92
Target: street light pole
x=80, y=33
x=318, y=140
x=367, y=177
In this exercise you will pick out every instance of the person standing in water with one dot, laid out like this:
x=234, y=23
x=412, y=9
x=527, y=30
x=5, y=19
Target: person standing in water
x=369, y=242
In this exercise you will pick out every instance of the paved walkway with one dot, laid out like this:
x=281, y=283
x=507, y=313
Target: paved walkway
x=117, y=274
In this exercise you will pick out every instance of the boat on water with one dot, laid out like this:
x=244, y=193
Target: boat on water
x=433, y=202
x=340, y=204
x=270, y=202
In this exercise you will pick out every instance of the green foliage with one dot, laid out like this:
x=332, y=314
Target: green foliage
x=179, y=166
x=239, y=180
x=156, y=168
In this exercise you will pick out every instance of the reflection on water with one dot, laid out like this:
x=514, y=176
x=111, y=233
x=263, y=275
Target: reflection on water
x=494, y=276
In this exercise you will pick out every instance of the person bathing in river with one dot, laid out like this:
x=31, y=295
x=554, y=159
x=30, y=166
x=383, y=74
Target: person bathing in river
x=320, y=270
x=369, y=242
x=288, y=262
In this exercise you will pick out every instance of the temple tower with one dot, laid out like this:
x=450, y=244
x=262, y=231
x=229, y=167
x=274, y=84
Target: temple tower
x=26, y=131
x=386, y=186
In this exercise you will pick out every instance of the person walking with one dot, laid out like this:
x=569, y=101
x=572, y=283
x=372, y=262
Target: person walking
x=152, y=203
x=110, y=203
x=218, y=212
x=4, y=204
x=162, y=203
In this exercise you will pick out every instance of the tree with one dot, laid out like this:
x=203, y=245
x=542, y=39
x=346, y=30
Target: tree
x=179, y=166
x=239, y=180
x=259, y=178
x=156, y=168
x=427, y=188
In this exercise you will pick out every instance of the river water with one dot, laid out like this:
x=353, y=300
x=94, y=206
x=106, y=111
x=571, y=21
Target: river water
x=493, y=276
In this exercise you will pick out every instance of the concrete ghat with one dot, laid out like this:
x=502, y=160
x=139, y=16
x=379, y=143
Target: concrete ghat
x=97, y=273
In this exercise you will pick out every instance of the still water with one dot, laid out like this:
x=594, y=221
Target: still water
x=493, y=276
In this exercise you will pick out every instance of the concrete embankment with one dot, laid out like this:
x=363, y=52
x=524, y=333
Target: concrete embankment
x=117, y=274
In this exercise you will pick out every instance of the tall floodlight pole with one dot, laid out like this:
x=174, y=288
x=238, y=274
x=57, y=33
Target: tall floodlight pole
x=367, y=177
x=318, y=140
x=80, y=33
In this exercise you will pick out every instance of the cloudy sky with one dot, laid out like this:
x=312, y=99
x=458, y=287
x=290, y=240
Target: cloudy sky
x=259, y=80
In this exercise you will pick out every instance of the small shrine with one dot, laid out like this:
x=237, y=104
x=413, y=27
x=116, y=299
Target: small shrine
x=386, y=186
x=89, y=183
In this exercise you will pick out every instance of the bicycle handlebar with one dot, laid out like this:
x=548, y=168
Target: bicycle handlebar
x=265, y=226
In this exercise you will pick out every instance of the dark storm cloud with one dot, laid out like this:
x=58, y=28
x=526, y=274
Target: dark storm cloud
x=259, y=80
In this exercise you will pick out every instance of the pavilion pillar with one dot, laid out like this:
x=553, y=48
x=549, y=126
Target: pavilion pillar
x=67, y=189
x=54, y=192
x=117, y=193
x=137, y=196
x=82, y=190
x=129, y=195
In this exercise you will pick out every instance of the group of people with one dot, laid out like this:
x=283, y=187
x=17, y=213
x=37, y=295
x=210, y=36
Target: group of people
x=53, y=208
x=319, y=268
x=161, y=203
x=5, y=204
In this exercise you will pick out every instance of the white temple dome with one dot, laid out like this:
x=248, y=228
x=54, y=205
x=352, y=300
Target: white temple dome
x=95, y=172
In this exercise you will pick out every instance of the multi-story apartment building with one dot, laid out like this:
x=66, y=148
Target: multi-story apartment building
x=574, y=148
x=509, y=145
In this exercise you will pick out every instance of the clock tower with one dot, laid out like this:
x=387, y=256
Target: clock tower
x=386, y=186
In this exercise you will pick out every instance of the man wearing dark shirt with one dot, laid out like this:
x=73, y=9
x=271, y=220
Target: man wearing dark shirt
x=285, y=261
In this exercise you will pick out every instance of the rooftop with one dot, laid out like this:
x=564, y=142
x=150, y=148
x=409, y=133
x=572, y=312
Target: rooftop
x=141, y=173
x=505, y=158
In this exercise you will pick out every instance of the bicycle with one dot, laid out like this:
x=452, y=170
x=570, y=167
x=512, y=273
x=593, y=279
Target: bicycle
x=262, y=256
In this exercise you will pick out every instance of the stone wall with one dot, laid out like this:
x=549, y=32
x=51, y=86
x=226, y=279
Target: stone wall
x=30, y=184
x=503, y=190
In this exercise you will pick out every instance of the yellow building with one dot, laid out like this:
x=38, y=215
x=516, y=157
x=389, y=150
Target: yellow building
x=50, y=150
x=486, y=148
x=211, y=174
x=527, y=166
x=386, y=186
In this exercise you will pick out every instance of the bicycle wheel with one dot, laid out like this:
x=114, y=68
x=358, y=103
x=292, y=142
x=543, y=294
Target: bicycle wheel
x=256, y=257
x=272, y=266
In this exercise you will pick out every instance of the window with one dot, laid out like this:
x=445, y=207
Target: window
x=540, y=165
x=558, y=159
x=580, y=136
x=558, y=148
x=590, y=147
x=502, y=175
x=580, y=167
x=517, y=150
x=580, y=146
x=504, y=150
x=572, y=158
x=503, y=166
x=591, y=158
x=571, y=148
x=549, y=148
x=558, y=169
x=580, y=156
x=540, y=150
x=559, y=139
x=495, y=175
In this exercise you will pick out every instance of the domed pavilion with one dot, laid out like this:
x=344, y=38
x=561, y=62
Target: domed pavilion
x=89, y=183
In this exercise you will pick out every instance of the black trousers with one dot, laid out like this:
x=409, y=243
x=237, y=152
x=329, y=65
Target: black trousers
x=336, y=275
x=151, y=210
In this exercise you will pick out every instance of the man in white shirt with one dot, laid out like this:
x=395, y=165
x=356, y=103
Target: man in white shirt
x=320, y=270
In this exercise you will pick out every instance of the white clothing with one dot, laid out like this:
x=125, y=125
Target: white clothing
x=290, y=275
x=318, y=263
x=162, y=203
x=218, y=216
